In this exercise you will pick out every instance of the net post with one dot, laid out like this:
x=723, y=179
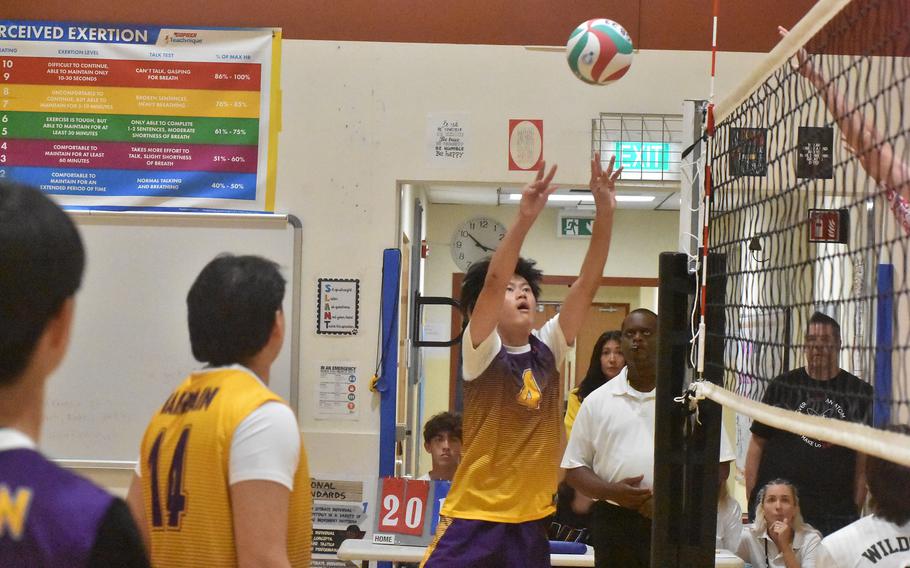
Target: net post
x=703, y=441
x=669, y=447
x=686, y=446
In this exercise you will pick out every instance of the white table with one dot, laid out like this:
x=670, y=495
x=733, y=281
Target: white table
x=363, y=550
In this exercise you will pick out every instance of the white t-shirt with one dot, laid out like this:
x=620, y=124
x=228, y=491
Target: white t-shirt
x=729, y=524
x=870, y=541
x=266, y=444
x=752, y=547
x=476, y=360
x=12, y=439
x=614, y=433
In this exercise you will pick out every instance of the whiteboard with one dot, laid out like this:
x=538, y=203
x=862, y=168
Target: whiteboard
x=130, y=343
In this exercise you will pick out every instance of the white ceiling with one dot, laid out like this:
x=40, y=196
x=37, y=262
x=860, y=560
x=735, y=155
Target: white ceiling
x=666, y=197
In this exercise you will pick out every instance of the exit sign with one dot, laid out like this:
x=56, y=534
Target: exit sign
x=575, y=226
x=643, y=156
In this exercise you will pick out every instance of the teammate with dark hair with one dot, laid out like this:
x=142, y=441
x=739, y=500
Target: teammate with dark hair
x=223, y=477
x=48, y=516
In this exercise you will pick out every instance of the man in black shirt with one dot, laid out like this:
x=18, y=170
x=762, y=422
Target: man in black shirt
x=830, y=478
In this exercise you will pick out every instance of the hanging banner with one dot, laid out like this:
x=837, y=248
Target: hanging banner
x=105, y=116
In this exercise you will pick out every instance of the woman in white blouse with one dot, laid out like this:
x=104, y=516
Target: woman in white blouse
x=779, y=538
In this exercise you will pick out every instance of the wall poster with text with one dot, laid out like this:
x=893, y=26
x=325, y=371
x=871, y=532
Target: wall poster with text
x=109, y=116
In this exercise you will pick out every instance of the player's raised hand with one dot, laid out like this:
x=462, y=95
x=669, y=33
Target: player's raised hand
x=534, y=195
x=603, y=184
x=803, y=64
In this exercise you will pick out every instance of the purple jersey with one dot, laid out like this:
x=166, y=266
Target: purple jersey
x=48, y=516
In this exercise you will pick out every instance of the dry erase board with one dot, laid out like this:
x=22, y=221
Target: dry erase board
x=130, y=343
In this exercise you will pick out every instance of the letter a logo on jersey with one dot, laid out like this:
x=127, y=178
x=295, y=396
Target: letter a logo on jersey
x=14, y=511
x=529, y=396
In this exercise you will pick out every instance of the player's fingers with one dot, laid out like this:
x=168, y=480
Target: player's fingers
x=550, y=175
x=543, y=166
x=609, y=169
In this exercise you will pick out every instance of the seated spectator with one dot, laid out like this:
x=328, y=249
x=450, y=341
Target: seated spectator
x=729, y=513
x=353, y=532
x=442, y=440
x=779, y=538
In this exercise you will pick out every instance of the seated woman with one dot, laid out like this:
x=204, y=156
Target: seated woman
x=779, y=538
x=729, y=514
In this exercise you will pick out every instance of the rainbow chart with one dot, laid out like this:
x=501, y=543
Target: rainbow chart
x=174, y=118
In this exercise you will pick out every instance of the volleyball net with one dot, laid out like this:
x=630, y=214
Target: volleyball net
x=807, y=212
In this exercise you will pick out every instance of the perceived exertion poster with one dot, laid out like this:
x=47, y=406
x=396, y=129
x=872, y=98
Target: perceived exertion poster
x=120, y=116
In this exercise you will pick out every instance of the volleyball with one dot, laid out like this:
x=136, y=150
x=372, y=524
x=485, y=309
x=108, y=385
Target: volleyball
x=599, y=51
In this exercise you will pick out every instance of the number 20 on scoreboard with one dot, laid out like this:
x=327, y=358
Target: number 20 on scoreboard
x=403, y=506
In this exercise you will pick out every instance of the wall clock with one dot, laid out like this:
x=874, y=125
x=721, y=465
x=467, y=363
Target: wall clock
x=475, y=239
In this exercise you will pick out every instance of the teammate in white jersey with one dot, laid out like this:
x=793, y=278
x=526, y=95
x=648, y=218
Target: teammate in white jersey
x=883, y=538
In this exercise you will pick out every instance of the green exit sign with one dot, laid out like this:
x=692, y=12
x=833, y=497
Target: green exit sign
x=570, y=226
x=646, y=156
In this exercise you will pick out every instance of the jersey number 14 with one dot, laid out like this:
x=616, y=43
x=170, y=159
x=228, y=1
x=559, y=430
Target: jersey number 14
x=176, y=499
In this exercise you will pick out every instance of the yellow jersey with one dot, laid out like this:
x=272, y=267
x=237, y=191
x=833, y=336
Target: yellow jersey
x=572, y=406
x=512, y=432
x=184, y=468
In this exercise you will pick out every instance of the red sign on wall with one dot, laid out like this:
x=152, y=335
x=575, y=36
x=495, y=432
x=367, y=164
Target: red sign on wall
x=829, y=225
x=525, y=144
